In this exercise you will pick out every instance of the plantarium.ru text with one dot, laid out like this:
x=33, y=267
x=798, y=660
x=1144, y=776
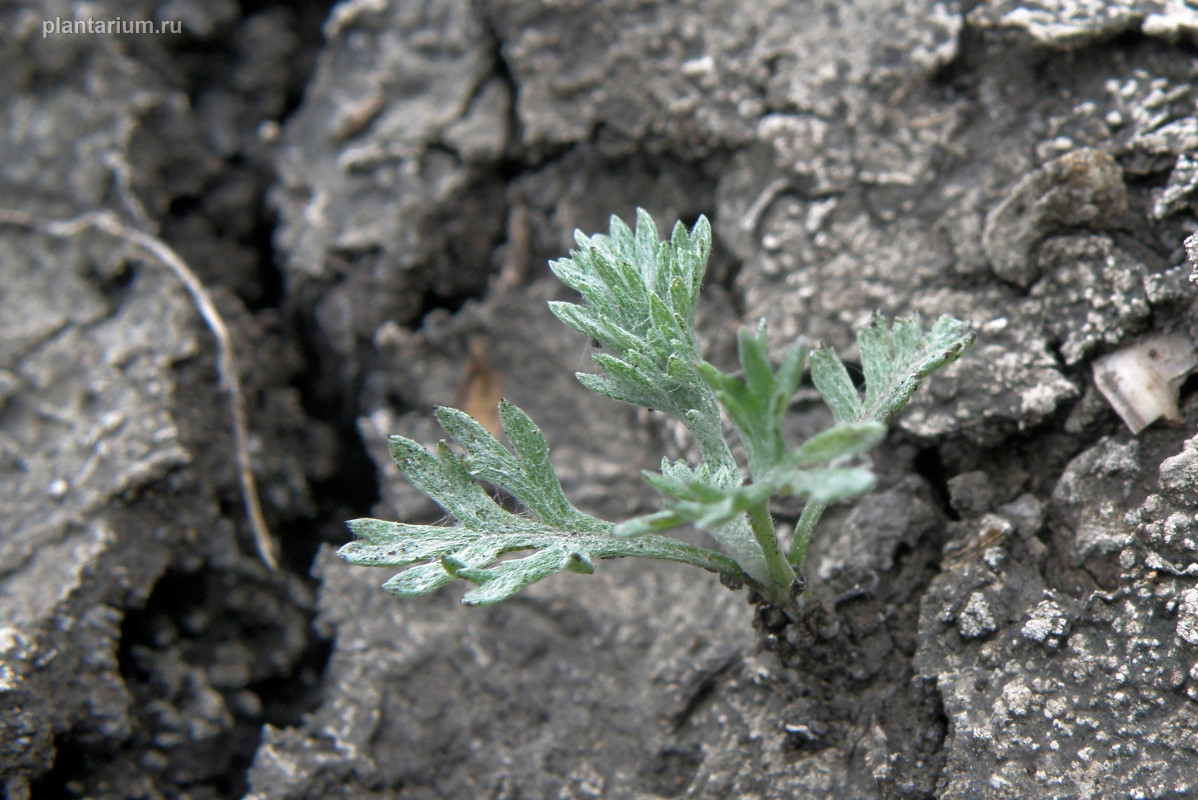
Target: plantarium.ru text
x=638, y=301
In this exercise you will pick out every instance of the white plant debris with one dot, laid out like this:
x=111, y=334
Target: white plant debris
x=1141, y=382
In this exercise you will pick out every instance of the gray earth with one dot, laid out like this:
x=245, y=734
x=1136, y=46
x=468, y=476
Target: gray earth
x=366, y=194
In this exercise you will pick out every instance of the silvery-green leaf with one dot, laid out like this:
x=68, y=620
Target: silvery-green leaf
x=895, y=359
x=638, y=298
x=830, y=484
x=830, y=377
x=846, y=439
x=757, y=403
x=555, y=535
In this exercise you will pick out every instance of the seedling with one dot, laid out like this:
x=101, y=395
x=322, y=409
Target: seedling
x=638, y=301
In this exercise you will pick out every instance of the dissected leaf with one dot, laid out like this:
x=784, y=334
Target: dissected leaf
x=639, y=297
x=555, y=536
x=894, y=360
x=505, y=579
x=757, y=404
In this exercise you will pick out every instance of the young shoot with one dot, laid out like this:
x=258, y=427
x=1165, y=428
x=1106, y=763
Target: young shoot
x=638, y=299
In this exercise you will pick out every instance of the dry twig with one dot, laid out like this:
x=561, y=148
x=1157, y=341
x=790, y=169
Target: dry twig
x=230, y=381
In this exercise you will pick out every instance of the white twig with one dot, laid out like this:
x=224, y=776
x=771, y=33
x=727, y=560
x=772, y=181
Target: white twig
x=226, y=362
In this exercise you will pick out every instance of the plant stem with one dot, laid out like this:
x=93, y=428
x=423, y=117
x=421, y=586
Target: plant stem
x=667, y=548
x=803, y=530
x=780, y=573
x=707, y=427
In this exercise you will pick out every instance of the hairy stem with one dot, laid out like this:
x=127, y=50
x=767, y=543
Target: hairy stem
x=706, y=425
x=780, y=573
x=669, y=549
x=803, y=530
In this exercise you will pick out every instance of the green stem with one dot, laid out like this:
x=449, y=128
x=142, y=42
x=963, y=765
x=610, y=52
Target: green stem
x=803, y=530
x=780, y=573
x=666, y=548
x=707, y=428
